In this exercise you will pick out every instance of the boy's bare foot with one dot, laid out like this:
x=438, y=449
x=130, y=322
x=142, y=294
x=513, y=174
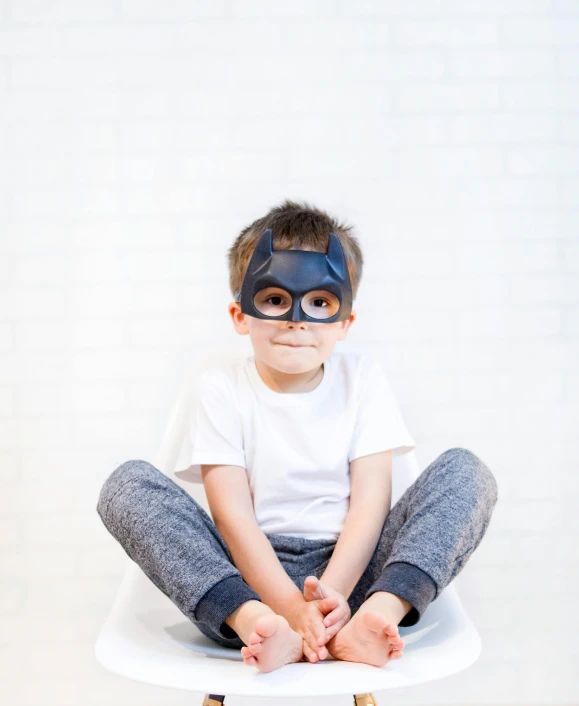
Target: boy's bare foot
x=369, y=637
x=269, y=641
x=272, y=644
x=372, y=635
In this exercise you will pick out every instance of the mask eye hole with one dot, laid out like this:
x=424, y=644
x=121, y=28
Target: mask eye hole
x=320, y=304
x=317, y=303
x=272, y=301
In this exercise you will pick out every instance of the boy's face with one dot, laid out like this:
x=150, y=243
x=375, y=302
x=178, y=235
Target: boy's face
x=312, y=342
x=290, y=347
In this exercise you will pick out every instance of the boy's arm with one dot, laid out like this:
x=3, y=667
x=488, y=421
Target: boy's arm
x=370, y=499
x=232, y=510
x=258, y=564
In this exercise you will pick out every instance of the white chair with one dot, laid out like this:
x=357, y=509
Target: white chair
x=146, y=637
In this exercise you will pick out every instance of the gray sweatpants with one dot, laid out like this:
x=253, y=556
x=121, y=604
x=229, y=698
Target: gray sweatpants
x=426, y=540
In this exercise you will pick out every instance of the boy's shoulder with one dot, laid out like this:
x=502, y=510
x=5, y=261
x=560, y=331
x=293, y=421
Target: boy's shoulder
x=222, y=370
x=355, y=360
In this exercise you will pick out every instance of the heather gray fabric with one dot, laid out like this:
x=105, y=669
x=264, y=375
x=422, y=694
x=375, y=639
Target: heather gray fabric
x=426, y=541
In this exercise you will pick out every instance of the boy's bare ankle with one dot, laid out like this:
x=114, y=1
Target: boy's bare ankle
x=389, y=604
x=243, y=619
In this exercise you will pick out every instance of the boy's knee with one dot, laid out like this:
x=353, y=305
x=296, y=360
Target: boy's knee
x=479, y=472
x=123, y=474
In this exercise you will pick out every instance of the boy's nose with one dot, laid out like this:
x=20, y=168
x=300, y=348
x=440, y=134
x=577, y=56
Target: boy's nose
x=295, y=310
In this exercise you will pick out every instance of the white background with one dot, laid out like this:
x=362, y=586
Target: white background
x=137, y=138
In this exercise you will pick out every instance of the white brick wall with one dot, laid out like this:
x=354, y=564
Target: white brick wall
x=137, y=138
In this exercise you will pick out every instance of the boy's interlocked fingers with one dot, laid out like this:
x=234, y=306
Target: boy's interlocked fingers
x=333, y=604
x=307, y=620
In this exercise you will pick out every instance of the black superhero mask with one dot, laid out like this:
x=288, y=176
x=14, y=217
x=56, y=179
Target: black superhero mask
x=297, y=285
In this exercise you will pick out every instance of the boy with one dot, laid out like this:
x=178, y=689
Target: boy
x=295, y=447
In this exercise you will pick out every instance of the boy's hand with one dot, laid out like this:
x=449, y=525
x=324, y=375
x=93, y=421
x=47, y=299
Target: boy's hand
x=333, y=604
x=306, y=619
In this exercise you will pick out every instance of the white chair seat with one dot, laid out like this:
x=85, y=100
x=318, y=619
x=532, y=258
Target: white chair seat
x=146, y=637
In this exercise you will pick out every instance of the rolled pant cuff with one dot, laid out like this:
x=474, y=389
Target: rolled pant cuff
x=221, y=600
x=408, y=582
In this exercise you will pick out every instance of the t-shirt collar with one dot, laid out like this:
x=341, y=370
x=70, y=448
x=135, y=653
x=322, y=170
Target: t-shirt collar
x=289, y=398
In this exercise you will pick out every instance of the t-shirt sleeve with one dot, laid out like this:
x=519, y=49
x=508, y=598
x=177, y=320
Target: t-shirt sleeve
x=379, y=423
x=216, y=433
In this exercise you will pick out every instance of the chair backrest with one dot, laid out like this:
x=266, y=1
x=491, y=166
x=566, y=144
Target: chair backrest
x=176, y=445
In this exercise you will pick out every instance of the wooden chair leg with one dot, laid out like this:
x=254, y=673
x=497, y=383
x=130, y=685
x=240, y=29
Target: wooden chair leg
x=213, y=700
x=364, y=700
x=359, y=700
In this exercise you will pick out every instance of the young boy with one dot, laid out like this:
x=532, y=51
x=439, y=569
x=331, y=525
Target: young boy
x=302, y=557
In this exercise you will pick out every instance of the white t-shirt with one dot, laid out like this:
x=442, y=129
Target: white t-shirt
x=296, y=447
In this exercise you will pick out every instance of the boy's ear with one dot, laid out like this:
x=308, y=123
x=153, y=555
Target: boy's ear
x=238, y=318
x=346, y=325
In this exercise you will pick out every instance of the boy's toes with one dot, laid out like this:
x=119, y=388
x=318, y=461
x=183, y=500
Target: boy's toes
x=393, y=636
x=265, y=626
x=254, y=649
x=395, y=641
x=254, y=638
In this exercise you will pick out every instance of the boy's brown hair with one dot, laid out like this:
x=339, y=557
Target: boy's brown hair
x=294, y=226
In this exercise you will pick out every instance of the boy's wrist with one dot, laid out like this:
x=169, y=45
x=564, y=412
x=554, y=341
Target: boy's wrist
x=286, y=605
x=335, y=585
